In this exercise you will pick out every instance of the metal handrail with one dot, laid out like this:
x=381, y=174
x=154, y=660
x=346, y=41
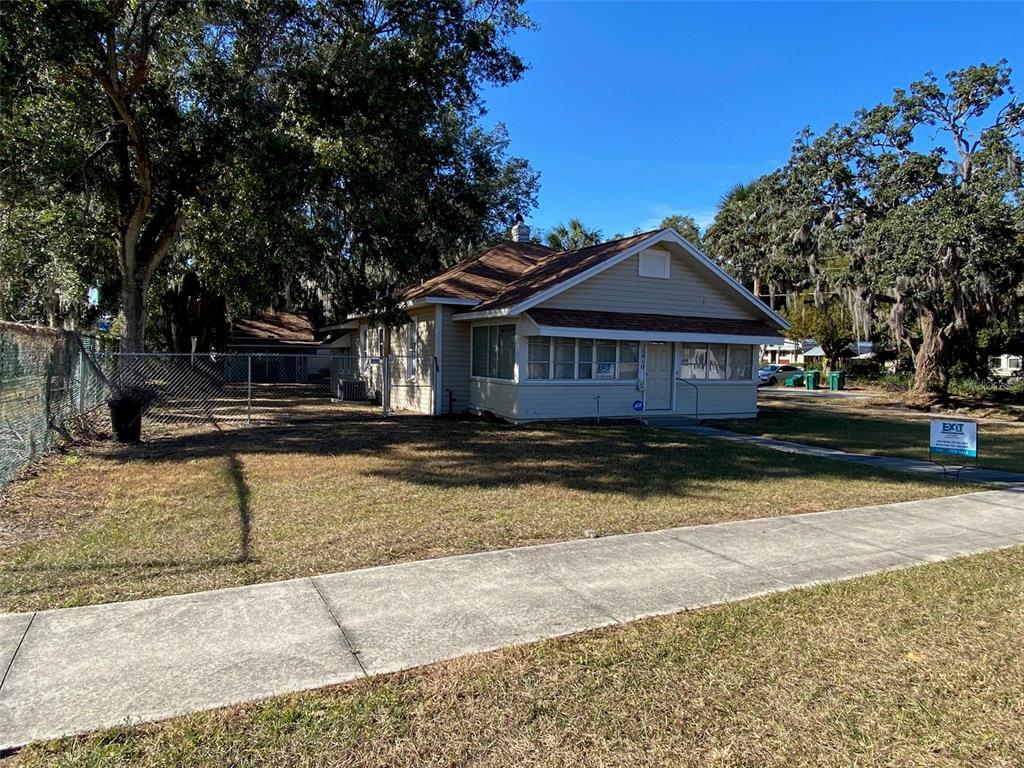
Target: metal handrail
x=696, y=397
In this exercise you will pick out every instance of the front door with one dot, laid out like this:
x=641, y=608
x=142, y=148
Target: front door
x=658, y=386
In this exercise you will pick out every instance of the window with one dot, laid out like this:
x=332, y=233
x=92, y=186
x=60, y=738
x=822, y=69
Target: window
x=629, y=360
x=717, y=360
x=693, y=361
x=538, y=358
x=741, y=363
x=494, y=351
x=605, y=356
x=995, y=362
x=581, y=359
x=1013, y=363
x=565, y=359
x=655, y=263
x=585, y=369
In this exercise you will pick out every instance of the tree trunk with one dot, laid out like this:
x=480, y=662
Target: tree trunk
x=930, y=374
x=133, y=302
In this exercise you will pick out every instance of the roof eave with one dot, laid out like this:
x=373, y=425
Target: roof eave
x=606, y=333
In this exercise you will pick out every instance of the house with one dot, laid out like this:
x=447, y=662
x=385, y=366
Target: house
x=641, y=326
x=283, y=346
x=1005, y=366
x=786, y=352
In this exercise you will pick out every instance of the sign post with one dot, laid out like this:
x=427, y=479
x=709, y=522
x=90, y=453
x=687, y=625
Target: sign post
x=953, y=438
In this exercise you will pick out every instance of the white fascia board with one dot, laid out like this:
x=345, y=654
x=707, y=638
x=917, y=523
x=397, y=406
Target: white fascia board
x=598, y=333
x=425, y=300
x=484, y=315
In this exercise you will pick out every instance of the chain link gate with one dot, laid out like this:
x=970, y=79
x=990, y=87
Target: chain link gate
x=240, y=388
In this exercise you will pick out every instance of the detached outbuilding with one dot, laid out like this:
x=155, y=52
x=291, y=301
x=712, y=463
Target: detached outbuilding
x=644, y=325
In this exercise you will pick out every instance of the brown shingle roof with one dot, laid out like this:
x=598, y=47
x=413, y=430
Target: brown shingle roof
x=285, y=328
x=483, y=276
x=625, y=321
x=557, y=268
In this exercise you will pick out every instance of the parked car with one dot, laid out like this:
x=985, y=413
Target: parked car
x=773, y=374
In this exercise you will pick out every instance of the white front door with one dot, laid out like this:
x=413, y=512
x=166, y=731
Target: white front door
x=658, y=386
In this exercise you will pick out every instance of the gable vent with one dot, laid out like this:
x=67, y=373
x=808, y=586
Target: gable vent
x=655, y=263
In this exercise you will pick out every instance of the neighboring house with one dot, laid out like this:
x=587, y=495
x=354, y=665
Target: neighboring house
x=640, y=326
x=786, y=352
x=1005, y=366
x=284, y=348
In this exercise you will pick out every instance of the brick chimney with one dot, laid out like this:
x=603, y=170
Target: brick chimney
x=520, y=232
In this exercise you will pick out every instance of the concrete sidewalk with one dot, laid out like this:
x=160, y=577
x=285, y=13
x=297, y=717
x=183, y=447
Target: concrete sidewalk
x=73, y=670
x=915, y=466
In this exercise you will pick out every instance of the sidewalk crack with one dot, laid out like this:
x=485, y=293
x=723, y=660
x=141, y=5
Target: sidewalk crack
x=17, y=649
x=344, y=634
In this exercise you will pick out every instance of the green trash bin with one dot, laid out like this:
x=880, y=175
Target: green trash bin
x=812, y=378
x=837, y=380
x=795, y=381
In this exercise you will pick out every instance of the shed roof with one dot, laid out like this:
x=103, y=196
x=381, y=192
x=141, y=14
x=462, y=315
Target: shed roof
x=273, y=328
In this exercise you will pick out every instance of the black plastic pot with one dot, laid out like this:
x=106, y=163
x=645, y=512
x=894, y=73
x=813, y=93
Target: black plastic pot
x=126, y=417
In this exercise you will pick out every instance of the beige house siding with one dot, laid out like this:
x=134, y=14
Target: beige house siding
x=413, y=367
x=455, y=340
x=687, y=291
x=494, y=396
x=570, y=400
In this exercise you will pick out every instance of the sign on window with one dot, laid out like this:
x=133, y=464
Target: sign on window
x=954, y=438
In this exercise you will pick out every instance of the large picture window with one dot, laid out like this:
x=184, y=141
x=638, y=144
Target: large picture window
x=582, y=359
x=494, y=351
x=733, y=362
x=717, y=361
x=741, y=363
x=693, y=361
x=605, y=355
x=629, y=360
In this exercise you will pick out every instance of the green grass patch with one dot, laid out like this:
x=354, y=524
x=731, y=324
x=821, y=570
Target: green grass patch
x=878, y=431
x=920, y=667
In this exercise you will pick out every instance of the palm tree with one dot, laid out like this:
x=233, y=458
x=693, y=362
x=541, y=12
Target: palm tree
x=571, y=236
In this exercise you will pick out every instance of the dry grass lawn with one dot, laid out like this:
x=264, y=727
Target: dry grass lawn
x=915, y=668
x=343, y=490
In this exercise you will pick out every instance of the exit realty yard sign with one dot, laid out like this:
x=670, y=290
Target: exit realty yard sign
x=954, y=438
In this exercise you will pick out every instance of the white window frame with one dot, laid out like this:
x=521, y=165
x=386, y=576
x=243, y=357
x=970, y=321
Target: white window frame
x=730, y=350
x=593, y=344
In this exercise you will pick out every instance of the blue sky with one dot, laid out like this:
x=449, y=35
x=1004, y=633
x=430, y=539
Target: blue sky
x=632, y=111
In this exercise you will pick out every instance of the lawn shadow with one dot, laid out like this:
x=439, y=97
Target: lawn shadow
x=471, y=453
x=243, y=493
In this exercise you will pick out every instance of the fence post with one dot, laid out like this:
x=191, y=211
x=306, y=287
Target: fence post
x=81, y=378
x=248, y=389
x=385, y=396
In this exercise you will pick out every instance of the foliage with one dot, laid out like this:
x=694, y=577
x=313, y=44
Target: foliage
x=317, y=151
x=571, y=236
x=829, y=326
x=910, y=214
x=685, y=226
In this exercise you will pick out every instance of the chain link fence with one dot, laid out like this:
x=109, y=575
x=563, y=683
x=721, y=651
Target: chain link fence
x=48, y=389
x=56, y=384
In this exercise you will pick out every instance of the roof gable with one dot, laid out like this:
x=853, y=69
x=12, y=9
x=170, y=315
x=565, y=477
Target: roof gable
x=559, y=268
x=564, y=270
